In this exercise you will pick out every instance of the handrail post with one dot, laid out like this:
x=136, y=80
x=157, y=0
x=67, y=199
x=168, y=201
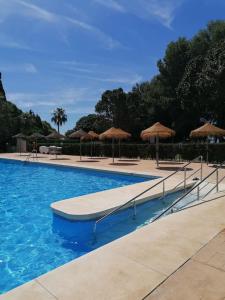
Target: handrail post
x=185, y=176
x=201, y=173
x=163, y=188
x=217, y=180
x=94, y=233
x=198, y=193
x=135, y=210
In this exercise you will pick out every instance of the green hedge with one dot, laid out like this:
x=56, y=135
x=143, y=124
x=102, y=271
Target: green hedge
x=146, y=151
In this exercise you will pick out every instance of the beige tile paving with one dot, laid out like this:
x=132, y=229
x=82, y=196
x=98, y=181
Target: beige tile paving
x=106, y=276
x=202, y=277
x=29, y=291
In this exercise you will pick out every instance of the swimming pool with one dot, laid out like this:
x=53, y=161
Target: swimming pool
x=32, y=240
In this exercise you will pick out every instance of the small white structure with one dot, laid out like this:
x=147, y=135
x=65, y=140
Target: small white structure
x=21, y=143
x=44, y=150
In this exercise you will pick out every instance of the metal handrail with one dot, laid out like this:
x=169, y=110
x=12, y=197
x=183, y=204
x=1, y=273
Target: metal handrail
x=217, y=187
x=30, y=156
x=145, y=191
x=182, y=197
x=192, y=174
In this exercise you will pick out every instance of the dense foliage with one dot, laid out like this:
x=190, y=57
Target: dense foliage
x=188, y=90
x=13, y=121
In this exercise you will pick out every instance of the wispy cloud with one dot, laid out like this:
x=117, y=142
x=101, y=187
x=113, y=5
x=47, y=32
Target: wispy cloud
x=32, y=11
x=98, y=72
x=112, y=4
x=161, y=10
x=19, y=68
x=126, y=79
x=61, y=97
x=107, y=40
x=8, y=42
x=35, y=11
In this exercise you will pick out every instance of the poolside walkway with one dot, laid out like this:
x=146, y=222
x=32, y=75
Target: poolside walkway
x=202, y=277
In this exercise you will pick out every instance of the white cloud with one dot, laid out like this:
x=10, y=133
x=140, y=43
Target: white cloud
x=19, y=68
x=29, y=10
x=97, y=72
x=107, y=40
x=35, y=11
x=65, y=97
x=126, y=79
x=112, y=4
x=161, y=10
x=8, y=42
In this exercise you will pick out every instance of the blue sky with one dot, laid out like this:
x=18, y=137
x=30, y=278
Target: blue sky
x=65, y=53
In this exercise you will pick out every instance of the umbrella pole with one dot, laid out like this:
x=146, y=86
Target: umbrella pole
x=157, y=150
x=119, y=148
x=113, y=150
x=91, y=148
x=207, y=151
x=20, y=147
x=80, y=150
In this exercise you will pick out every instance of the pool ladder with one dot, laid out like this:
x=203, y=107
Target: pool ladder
x=30, y=156
x=132, y=201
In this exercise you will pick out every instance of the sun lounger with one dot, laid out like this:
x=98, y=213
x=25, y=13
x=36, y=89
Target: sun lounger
x=44, y=150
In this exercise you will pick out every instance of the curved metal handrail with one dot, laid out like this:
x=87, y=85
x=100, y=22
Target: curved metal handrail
x=145, y=191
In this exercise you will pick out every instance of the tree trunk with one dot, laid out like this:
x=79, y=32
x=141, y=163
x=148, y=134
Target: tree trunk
x=58, y=127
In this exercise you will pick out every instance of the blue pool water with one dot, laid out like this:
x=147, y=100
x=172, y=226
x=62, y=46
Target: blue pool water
x=32, y=240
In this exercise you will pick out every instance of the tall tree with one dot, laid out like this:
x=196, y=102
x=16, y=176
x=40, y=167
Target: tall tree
x=113, y=106
x=59, y=117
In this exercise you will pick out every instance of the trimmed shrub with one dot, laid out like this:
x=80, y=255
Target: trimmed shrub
x=145, y=151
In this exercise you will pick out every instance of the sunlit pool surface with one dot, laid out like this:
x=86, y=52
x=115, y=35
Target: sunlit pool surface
x=32, y=240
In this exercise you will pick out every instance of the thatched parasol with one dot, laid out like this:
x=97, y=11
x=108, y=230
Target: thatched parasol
x=114, y=134
x=36, y=136
x=207, y=130
x=20, y=136
x=55, y=136
x=157, y=130
x=93, y=134
x=78, y=135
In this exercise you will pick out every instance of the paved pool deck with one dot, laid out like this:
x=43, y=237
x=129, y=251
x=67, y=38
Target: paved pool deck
x=142, y=264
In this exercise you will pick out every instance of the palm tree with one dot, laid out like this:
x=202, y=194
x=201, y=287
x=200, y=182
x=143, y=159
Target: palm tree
x=59, y=117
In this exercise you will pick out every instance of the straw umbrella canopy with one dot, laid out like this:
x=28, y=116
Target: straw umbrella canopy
x=78, y=135
x=157, y=130
x=93, y=134
x=114, y=134
x=36, y=136
x=20, y=136
x=55, y=136
x=207, y=130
